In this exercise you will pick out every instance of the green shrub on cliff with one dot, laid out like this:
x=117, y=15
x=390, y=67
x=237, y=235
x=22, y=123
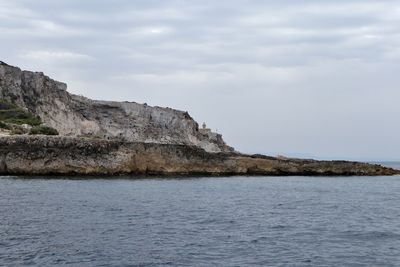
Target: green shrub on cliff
x=33, y=121
x=43, y=130
x=5, y=105
x=17, y=131
x=4, y=126
x=10, y=113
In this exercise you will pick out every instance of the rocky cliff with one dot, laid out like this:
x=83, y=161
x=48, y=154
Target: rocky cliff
x=74, y=115
x=103, y=137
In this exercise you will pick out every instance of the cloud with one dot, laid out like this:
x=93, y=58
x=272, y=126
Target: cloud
x=52, y=55
x=306, y=76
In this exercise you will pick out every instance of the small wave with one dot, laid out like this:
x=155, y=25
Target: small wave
x=370, y=235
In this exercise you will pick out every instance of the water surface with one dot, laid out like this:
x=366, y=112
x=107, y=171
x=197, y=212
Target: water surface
x=237, y=221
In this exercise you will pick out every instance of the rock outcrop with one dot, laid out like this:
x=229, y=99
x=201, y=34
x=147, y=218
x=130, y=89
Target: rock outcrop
x=74, y=115
x=109, y=138
x=21, y=155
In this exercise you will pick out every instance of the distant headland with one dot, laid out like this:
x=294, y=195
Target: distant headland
x=46, y=130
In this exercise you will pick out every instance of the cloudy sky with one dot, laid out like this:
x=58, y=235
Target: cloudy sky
x=292, y=77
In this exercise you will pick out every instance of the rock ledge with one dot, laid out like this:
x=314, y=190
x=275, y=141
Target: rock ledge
x=60, y=155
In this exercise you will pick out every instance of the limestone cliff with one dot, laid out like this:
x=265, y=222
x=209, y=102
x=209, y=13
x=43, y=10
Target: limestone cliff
x=103, y=137
x=74, y=115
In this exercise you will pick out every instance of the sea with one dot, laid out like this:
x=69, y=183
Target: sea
x=200, y=221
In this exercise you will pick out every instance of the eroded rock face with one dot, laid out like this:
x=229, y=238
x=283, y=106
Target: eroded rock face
x=74, y=115
x=71, y=155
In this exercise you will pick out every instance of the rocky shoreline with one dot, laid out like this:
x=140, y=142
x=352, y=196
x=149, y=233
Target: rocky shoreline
x=45, y=130
x=60, y=155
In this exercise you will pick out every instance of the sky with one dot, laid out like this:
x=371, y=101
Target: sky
x=291, y=77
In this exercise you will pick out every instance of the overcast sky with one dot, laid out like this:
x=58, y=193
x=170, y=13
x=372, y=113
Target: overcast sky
x=303, y=78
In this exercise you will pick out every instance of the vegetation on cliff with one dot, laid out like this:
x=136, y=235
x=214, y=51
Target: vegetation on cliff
x=18, y=121
x=11, y=113
x=41, y=129
x=4, y=126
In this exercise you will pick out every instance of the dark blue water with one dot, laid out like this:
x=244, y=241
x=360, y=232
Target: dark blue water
x=258, y=221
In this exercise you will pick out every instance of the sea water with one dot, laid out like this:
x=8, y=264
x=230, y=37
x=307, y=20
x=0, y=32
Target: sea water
x=199, y=221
